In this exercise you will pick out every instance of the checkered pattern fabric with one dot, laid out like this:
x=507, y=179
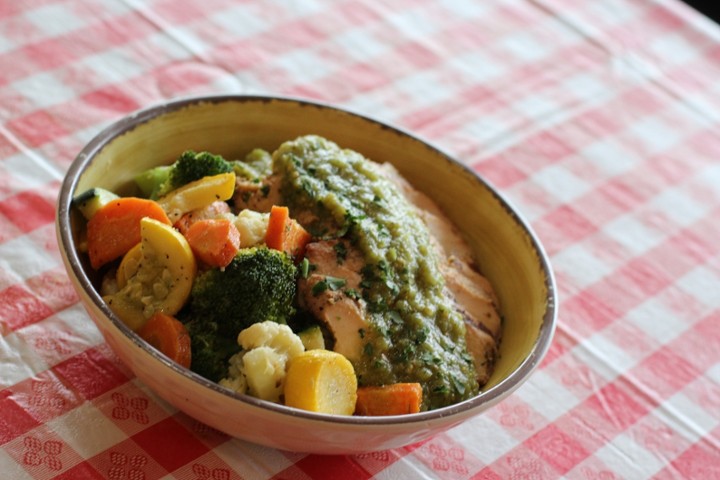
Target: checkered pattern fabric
x=600, y=121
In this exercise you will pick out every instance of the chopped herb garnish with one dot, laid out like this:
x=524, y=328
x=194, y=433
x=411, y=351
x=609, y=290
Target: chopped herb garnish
x=305, y=268
x=328, y=283
x=340, y=252
x=395, y=317
x=458, y=384
x=406, y=353
x=352, y=293
x=421, y=336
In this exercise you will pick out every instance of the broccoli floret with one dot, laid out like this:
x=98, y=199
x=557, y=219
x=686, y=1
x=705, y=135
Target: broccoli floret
x=259, y=284
x=210, y=353
x=190, y=166
x=152, y=181
x=193, y=166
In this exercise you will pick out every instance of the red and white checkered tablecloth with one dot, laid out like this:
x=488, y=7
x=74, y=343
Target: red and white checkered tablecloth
x=600, y=120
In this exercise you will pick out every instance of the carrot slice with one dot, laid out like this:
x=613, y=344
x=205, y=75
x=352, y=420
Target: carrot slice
x=286, y=234
x=115, y=228
x=214, y=241
x=169, y=335
x=394, y=399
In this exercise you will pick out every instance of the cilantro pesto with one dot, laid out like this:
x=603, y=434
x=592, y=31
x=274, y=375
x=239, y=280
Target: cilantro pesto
x=415, y=333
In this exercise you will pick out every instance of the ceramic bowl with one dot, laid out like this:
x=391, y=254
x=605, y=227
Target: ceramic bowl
x=509, y=252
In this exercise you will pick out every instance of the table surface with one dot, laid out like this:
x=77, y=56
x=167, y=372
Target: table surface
x=600, y=121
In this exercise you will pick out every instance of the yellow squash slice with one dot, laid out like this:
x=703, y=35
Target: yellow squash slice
x=198, y=194
x=155, y=277
x=129, y=265
x=321, y=381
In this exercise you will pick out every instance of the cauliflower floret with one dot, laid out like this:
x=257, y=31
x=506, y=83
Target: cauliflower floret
x=260, y=368
x=252, y=226
x=235, y=380
x=265, y=373
x=274, y=335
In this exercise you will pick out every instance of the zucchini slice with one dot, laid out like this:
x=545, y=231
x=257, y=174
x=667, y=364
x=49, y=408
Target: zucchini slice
x=90, y=201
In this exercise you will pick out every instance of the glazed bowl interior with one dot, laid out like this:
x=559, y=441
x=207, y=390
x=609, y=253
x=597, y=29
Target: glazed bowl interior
x=507, y=252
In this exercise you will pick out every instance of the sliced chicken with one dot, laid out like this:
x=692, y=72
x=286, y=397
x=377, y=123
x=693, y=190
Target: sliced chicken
x=473, y=293
x=259, y=197
x=346, y=317
x=483, y=349
x=342, y=313
x=476, y=300
x=443, y=230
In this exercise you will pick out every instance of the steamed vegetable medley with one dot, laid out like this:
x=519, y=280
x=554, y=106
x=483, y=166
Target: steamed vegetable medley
x=311, y=277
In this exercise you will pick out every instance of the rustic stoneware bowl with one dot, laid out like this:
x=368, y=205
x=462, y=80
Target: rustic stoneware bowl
x=508, y=251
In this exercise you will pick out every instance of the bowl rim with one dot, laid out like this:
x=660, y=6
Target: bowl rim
x=147, y=114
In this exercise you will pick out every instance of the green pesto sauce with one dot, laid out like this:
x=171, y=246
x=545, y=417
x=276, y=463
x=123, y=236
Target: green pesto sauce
x=415, y=334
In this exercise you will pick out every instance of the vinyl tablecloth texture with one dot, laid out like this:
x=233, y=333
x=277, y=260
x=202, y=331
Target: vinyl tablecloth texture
x=599, y=120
